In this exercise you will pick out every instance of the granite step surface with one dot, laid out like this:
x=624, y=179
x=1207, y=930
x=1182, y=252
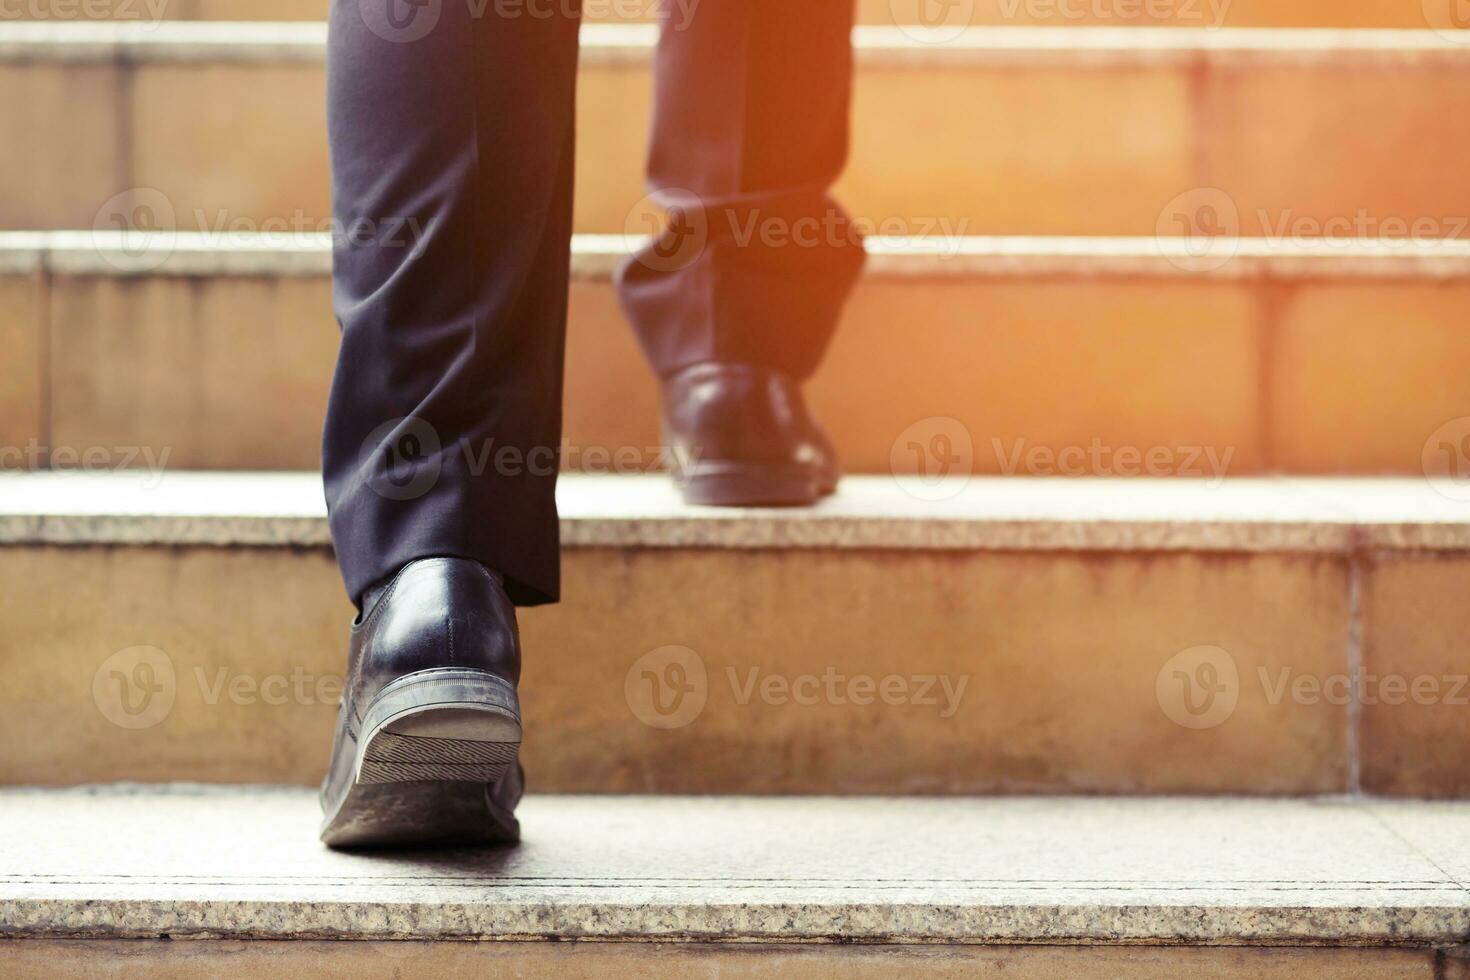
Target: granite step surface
x=1335, y=887
x=1258, y=636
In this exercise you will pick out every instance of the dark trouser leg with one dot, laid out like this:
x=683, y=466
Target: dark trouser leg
x=452, y=177
x=752, y=118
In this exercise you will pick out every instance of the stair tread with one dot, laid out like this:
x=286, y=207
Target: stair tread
x=183, y=860
x=877, y=45
x=111, y=253
x=1252, y=514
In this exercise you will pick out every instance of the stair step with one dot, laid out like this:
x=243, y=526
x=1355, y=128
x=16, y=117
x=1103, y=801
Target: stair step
x=1010, y=130
x=1176, y=13
x=1270, y=636
x=1296, y=356
x=705, y=887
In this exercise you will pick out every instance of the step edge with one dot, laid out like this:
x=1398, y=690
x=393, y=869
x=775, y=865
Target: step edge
x=1245, y=900
x=876, y=46
x=597, y=256
x=1267, y=516
x=83, y=918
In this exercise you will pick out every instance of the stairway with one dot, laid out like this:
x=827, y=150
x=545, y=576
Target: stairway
x=1134, y=647
x=707, y=887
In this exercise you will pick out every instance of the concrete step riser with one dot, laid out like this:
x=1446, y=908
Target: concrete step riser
x=1048, y=13
x=1051, y=660
x=595, y=961
x=1009, y=139
x=1070, y=365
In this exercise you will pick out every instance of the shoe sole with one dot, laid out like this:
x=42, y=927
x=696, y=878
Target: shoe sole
x=432, y=745
x=753, y=486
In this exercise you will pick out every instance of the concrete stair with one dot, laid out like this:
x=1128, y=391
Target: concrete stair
x=1226, y=248
x=177, y=881
x=1051, y=356
x=1265, y=637
x=1045, y=131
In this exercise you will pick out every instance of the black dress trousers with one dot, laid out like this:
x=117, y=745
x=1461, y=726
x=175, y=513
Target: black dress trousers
x=452, y=130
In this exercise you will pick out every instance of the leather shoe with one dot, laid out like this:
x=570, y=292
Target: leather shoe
x=740, y=435
x=430, y=726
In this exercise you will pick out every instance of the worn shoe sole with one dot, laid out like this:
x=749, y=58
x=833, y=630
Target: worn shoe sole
x=433, y=746
x=753, y=485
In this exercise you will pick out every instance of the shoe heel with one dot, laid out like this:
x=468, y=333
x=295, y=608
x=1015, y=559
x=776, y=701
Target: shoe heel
x=440, y=726
x=750, y=486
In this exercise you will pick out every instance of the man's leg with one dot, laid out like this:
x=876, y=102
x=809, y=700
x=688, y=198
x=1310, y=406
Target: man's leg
x=452, y=142
x=750, y=131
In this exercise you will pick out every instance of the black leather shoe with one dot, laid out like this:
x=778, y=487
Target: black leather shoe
x=430, y=725
x=740, y=435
